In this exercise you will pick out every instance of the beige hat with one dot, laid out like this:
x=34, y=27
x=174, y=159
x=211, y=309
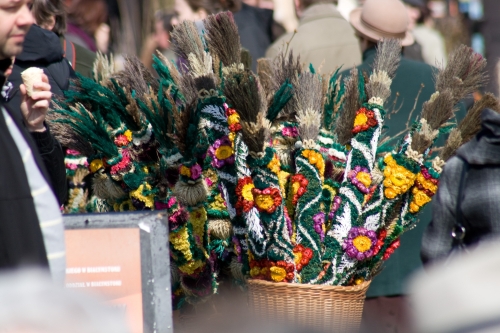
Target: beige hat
x=379, y=19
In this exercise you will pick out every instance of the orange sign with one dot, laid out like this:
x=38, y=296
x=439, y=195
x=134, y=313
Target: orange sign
x=107, y=262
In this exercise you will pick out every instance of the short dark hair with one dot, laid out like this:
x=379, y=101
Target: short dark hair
x=43, y=9
x=88, y=14
x=166, y=19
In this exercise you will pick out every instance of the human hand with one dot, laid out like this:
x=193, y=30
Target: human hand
x=35, y=108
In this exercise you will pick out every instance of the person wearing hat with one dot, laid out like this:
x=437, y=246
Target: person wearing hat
x=324, y=38
x=421, y=26
x=412, y=86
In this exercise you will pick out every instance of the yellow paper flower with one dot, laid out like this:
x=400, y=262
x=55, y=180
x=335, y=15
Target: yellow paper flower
x=224, y=152
x=198, y=218
x=264, y=201
x=315, y=159
x=218, y=203
x=255, y=271
x=282, y=179
x=297, y=257
x=364, y=178
x=128, y=134
x=278, y=274
x=274, y=165
x=233, y=119
x=95, y=165
x=397, y=179
x=362, y=243
x=179, y=241
x=191, y=267
x=414, y=208
x=185, y=171
x=148, y=200
x=358, y=281
x=360, y=119
x=427, y=183
x=246, y=192
x=421, y=198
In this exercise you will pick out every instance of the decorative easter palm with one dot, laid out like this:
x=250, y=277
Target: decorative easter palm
x=279, y=177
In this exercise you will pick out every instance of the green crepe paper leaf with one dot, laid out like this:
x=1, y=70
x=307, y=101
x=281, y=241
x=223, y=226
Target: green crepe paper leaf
x=311, y=68
x=93, y=127
x=280, y=98
x=361, y=88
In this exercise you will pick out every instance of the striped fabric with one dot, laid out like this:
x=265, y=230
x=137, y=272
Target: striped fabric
x=46, y=206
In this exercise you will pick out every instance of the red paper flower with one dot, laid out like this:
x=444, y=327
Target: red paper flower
x=267, y=200
x=364, y=120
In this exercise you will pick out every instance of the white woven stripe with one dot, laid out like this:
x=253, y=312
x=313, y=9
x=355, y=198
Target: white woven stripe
x=47, y=224
x=365, y=150
x=26, y=155
x=40, y=191
x=352, y=197
x=56, y=255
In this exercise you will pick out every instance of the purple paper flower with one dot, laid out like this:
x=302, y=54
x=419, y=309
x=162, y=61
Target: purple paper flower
x=195, y=171
x=360, y=243
x=319, y=221
x=222, y=152
x=361, y=178
x=290, y=131
x=335, y=206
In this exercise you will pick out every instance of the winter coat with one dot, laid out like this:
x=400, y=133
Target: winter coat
x=21, y=241
x=480, y=203
x=41, y=48
x=324, y=39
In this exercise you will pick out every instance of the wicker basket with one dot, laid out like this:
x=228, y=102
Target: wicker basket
x=324, y=308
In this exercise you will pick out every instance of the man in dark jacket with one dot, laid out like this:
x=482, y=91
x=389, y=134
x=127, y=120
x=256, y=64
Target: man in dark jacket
x=31, y=230
x=42, y=49
x=411, y=87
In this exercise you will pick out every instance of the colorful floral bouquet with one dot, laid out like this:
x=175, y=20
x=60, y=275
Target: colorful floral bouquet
x=279, y=176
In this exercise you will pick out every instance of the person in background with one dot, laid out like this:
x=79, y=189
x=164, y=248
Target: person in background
x=414, y=50
x=461, y=295
x=256, y=26
x=159, y=40
x=479, y=205
x=324, y=38
x=31, y=229
x=51, y=15
x=87, y=24
x=430, y=40
x=412, y=85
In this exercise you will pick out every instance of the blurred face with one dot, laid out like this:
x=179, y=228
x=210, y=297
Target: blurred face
x=162, y=37
x=413, y=15
x=15, y=21
x=184, y=12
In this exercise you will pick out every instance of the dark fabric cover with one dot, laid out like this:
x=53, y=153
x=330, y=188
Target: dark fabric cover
x=84, y=59
x=411, y=76
x=480, y=205
x=255, y=26
x=21, y=241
